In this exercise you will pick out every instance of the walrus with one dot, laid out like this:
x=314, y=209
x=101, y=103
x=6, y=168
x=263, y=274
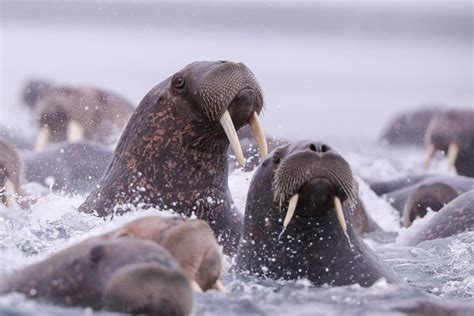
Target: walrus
x=76, y=113
x=398, y=191
x=173, y=152
x=409, y=128
x=452, y=132
x=10, y=176
x=314, y=238
x=190, y=241
x=124, y=275
x=454, y=218
x=426, y=197
x=72, y=167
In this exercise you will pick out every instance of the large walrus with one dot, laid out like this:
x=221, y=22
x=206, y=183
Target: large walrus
x=298, y=220
x=452, y=132
x=190, y=241
x=455, y=218
x=173, y=152
x=10, y=176
x=75, y=113
x=122, y=274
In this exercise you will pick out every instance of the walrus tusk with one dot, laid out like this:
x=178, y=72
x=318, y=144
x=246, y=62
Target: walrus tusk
x=75, y=131
x=431, y=152
x=229, y=129
x=259, y=134
x=196, y=286
x=340, y=214
x=291, y=209
x=453, y=151
x=406, y=216
x=43, y=138
x=10, y=193
x=218, y=286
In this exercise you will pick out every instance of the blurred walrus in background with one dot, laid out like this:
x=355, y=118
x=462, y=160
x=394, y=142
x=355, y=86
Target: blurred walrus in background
x=10, y=175
x=454, y=218
x=452, y=132
x=75, y=113
x=125, y=275
x=409, y=128
x=68, y=167
x=298, y=220
x=190, y=241
x=173, y=152
x=33, y=91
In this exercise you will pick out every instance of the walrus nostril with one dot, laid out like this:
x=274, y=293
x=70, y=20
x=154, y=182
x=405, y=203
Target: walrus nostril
x=324, y=148
x=312, y=147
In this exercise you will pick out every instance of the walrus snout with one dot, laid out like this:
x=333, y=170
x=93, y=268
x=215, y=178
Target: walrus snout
x=146, y=288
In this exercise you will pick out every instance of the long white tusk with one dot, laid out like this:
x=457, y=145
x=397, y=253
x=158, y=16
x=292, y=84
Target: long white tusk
x=218, y=286
x=10, y=193
x=257, y=130
x=291, y=209
x=196, y=286
x=75, y=131
x=431, y=152
x=340, y=214
x=229, y=129
x=406, y=216
x=453, y=151
x=43, y=138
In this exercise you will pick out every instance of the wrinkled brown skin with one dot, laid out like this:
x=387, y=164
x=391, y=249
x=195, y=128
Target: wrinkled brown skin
x=314, y=239
x=250, y=149
x=173, y=155
x=76, y=167
x=433, y=196
x=455, y=218
x=11, y=168
x=455, y=126
x=123, y=274
x=409, y=128
x=103, y=114
x=191, y=242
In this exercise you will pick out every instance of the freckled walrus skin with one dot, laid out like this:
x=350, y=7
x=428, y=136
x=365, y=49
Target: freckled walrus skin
x=298, y=221
x=455, y=218
x=190, y=241
x=124, y=274
x=173, y=152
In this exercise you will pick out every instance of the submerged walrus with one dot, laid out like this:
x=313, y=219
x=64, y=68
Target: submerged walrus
x=190, y=241
x=452, y=132
x=10, y=175
x=455, y=218
x=314, y=238
x=75, y=113
x=173, y=152
x=71, y=167
x=123, y=274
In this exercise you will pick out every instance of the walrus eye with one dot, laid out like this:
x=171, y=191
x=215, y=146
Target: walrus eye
x=179, y=83
x=276, y=160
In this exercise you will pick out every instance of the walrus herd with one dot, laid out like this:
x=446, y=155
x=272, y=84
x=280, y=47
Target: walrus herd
x=303, y=216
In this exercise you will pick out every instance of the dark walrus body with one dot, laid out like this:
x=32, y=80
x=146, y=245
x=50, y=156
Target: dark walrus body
x=173, y=152
x=123, y=274
x=314, y=244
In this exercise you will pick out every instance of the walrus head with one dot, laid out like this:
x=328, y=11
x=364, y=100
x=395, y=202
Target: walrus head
x=311, y=179
x=452, y=132
x=431, y=196
x=10, y=172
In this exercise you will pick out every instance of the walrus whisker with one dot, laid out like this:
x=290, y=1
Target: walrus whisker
x=229, y=129
x=75, y=131
x=453, y=151
x=429, y=157
x=291, y=209
x=43, y=138
x=219, y=287
x=259, y=134
x=340, y=213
